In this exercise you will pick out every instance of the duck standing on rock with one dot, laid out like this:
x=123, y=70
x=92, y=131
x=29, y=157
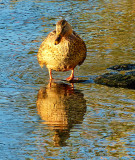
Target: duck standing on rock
x=62, y=50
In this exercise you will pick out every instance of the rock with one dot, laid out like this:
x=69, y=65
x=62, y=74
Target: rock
x=122, y=67
x=132, y=73
x=125, y=80
x=117, y=80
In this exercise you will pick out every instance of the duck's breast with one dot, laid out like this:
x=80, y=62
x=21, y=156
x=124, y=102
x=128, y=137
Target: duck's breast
x=70, y=52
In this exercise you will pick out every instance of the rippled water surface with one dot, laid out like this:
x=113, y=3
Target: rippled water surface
x=58, y=121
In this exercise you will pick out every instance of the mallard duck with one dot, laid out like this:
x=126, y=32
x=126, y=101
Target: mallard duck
x=62, y=50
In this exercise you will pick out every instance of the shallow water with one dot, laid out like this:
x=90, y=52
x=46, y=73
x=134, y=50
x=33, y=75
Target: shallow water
x=61, y=121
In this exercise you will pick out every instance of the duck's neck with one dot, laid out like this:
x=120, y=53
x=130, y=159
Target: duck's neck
x=70, y=31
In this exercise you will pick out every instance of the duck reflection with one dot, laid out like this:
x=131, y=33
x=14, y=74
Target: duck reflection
x=60, y=106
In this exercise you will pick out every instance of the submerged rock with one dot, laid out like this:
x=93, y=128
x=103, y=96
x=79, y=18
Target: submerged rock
x=123, y=67
x=126, y=80
x=117, y=80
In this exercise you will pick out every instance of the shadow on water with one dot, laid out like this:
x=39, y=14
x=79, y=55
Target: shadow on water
x=60, y=106
x=84, y=80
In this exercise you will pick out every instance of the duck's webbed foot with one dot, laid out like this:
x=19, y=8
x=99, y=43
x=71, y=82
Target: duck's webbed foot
x=71, y=77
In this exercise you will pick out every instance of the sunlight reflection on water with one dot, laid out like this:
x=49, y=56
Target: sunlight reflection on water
x=93, y=121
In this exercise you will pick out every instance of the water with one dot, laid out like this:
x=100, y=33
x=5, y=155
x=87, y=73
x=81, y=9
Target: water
x=61, y=121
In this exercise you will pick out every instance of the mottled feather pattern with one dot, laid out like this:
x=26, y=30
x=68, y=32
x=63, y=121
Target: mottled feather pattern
x=70, y=52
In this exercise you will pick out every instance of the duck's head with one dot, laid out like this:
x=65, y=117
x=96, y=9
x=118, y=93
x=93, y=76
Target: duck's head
x=63, y=28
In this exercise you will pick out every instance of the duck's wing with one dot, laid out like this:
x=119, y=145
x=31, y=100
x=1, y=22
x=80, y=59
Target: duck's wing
x=83, y=47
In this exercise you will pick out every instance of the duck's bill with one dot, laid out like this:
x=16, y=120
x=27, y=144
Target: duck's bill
x=57, y=40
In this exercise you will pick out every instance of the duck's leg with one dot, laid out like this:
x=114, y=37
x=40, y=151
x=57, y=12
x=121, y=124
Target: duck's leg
x=71, y=77
x=50, y=74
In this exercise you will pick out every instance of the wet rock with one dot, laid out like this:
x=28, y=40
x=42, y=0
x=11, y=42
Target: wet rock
x=132, y=73
x=125, y=80
x=117, y=80
x=122, y=67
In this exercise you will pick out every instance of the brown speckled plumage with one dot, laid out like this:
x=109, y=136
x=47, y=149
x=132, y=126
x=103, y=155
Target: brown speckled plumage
x=62, y=50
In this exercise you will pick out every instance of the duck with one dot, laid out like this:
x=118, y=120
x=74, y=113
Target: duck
x=62, y=50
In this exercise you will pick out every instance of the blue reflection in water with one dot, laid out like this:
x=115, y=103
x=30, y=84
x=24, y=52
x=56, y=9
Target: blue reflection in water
x=93, y=121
